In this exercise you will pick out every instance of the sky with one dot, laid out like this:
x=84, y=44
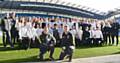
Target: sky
x=102, y=5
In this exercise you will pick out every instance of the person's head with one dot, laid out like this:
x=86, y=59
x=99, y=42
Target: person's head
x=61, y=25
x=38, y=25
x=43, y=25
x=48, y=25
x=55, y=26
x=24, y=23
x=7, y=15
x=45, y=30
x=66, y=28
x=12, y=15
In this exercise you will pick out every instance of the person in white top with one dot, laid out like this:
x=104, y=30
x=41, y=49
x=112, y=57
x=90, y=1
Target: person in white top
x=19, y=24
x=93, y=24
x=50, y=30
x=38, y=32
x=91, y=31
x=8, y=24
x=79, y=36
x=98, y=37
x=73, y=31
x=24, y=35
x=60, y=30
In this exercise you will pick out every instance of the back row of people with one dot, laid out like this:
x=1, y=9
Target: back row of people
x=85, y=32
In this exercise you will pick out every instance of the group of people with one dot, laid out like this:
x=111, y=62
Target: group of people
x=98, y=33
x=47, y=33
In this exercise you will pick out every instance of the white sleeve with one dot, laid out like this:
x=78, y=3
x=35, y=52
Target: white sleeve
x=101, y=35
x=20, y=33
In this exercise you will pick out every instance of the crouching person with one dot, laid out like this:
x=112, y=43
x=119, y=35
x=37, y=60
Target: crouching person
x=47, y=42
x=98, y=37
x=67, y=45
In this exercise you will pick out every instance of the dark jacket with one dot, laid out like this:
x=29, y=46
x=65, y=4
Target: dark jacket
x=86, y=35
x=47, y=39
x=115, y=28
x=67, y=40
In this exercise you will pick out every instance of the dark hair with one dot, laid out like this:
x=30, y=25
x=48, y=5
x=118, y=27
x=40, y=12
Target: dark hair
x=61, y=24
x=5, y=17
x=43, y=25
x=55, y=24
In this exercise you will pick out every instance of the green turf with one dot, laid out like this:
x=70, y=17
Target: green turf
x=8, y=55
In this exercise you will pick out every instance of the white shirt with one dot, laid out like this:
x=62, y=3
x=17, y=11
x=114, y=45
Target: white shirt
x=70, y=24
x=39, y=31
x=23, y=32
x=60, y=30
x=29, y=25
x=18, y=25
x=8, y=24
x=31, y=33
x=91, y=33
x=73, y=32
x=93, y=25
x=98, y=34
x=79, y=34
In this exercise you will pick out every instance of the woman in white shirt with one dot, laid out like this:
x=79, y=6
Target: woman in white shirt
x=98, y=37
x=79, y=37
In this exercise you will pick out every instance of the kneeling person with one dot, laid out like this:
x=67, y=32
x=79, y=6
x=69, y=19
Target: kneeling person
x=67, y=45
x=47, y=42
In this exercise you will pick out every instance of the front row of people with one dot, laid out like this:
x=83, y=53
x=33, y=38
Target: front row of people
x=47, y=43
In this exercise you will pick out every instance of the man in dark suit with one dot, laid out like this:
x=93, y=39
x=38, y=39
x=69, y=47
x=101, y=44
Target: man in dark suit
x=107, y=33
x=56, y=34
x=47, y=42
x=86, y=36
x=115, y=30
x=67, y=45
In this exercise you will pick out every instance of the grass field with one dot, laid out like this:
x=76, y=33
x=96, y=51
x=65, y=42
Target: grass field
x=8, y=55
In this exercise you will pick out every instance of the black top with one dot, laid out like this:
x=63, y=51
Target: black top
x=67, y=39
x=46, y=39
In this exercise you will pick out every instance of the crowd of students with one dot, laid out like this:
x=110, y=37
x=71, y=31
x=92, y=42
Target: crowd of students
x=45, y=33
x=24, y=30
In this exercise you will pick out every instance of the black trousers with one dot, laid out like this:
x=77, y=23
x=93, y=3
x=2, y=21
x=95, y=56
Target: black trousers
x=86, y=42
x=77, y=42
x=4, y=39
x=97, y=41
x=106, y=38
x=67, y=52
x=113, y=39
x=91, y=41
x=35, y=43
x=44, y=49
x=7, y=39
x=25, y=42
